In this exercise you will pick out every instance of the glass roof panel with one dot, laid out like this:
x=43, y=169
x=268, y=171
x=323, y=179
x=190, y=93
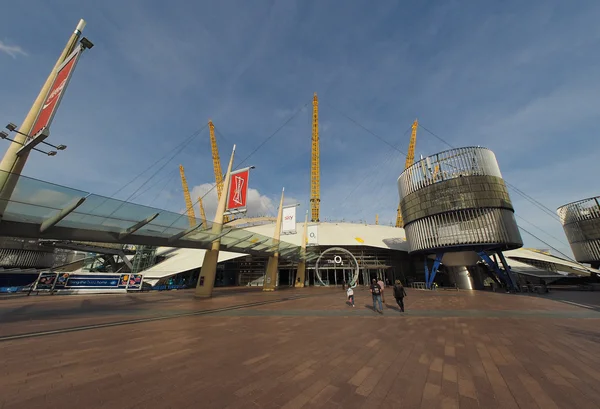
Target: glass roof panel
x=34, y=201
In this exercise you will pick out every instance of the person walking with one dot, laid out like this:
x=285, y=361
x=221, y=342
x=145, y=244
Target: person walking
x=350, y=294
x=399, y=294
x=376, y=293
x=382, y=285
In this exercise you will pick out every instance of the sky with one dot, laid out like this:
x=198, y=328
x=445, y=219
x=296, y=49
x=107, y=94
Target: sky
x=517, y=77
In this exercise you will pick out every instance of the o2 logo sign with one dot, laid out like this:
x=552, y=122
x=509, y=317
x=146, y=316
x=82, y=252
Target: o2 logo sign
x=338, y=258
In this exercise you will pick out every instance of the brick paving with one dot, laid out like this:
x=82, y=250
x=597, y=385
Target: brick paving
x=449, y=350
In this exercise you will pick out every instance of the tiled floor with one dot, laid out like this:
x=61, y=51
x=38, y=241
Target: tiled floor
x=449, y=350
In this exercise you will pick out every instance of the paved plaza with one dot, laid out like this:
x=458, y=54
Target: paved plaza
x=300, y=348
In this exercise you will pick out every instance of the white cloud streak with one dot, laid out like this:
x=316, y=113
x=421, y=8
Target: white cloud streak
x=13, y=50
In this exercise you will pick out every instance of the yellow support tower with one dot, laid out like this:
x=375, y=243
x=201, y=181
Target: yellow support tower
x=376, y=219
x=202, y=212
x=410, y=159
x=188, y=200
x=216, y=163
x=315, y=183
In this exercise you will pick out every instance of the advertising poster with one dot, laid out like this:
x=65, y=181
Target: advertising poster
x=288, y=223
x=45, y=281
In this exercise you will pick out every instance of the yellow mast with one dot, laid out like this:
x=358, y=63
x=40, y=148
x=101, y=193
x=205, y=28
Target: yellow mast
x=410, y=159
x=315, y=184
x=188, y=200
x=376, y=219
x=202, y=212
x=216, y=163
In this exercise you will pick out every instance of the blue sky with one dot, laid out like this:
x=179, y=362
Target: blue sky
x=518, y=77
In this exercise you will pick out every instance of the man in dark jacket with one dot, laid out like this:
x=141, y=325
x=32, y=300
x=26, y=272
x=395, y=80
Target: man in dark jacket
x=376, y=293
x=399, y=294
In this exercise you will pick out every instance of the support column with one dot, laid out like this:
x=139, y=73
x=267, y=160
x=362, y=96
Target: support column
x=434, y=269
x=300, y=277
x=206, y=279
x=509, y=273
x=270, y=283
x=496, y=268
x=12, y=165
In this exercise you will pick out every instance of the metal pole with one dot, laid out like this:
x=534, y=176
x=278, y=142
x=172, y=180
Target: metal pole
x=12, y=165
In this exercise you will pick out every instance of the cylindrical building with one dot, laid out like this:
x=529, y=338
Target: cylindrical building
x=455, y=203
x=581, y=222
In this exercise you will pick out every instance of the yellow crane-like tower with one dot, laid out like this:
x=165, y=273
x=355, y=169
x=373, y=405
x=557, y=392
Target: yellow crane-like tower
x=410, y=159
x=188, y=200
x=202, y=212
x=315, y=183
x=216, y=163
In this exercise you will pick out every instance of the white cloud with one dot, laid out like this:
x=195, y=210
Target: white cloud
x=258, y=204
x=12, y=50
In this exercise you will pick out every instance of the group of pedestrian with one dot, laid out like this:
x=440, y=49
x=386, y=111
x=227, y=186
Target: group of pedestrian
x=378, y=294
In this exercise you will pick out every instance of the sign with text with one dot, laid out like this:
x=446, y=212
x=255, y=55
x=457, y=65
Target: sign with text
x=288, y=222
x=108, y=281
x=313, y=239
x=55, y=93
x=237, y=196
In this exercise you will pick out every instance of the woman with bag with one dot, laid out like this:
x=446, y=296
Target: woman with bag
x=399, y=294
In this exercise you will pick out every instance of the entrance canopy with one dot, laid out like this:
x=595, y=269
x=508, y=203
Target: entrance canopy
x=43, y=210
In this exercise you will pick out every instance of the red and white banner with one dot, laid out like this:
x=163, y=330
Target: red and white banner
x=288, y=222
x=238, y=191
x=55, y=93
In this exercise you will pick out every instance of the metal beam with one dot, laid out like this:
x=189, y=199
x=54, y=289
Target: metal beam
x=126, y=260
x=137, y=226
x=507, y=269
x=222, y=234
x=436, y=265
x=285, y=252
x=53, y=220
x=184, y=233
x=236, y=242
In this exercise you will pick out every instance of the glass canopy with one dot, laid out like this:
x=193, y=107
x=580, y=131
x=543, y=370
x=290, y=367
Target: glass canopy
x=39, y=209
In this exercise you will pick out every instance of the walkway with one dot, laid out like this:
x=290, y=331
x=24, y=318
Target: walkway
x=450, y=350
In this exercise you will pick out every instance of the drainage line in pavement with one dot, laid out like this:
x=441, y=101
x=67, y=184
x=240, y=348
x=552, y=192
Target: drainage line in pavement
x=142, y=320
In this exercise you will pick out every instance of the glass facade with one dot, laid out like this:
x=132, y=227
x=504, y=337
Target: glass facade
x=581, y=223
x=457, y=200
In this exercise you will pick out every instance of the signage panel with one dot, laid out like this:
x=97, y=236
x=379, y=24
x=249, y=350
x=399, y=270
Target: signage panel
x=313, y=238
x=288, y=222
x=238, y=191
x=55, y=93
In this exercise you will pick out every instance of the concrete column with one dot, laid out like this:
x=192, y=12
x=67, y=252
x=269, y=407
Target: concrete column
x=273, y=263
x=12, y=165
x=301, y=275
x=206, y=280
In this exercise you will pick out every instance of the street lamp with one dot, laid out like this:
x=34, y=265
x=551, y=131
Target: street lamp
x=86, y=44
x=4, y=135
x=38, y=139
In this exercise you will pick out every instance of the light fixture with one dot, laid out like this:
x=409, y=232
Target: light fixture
x=11, y=127
x=86, y=43
x=51, y=153
x=3, y=135
x=61, y=147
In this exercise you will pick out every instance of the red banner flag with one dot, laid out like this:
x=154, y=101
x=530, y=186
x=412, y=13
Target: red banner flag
x=238, y=191
x=46, y=114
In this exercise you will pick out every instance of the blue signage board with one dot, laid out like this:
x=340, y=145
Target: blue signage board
x=68, y=281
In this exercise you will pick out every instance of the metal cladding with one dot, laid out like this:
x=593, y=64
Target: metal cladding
x=581, y=222
x=457, y=200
